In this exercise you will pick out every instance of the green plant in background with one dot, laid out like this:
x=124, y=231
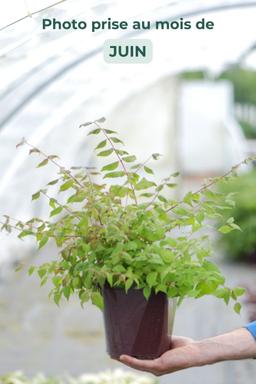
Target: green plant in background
x=244, y=83
x=194, y=75
x=109, y=377
x=129, y=232
x=241, y=245
x=248, y=129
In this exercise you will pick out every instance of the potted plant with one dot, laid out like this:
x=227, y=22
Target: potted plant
x=126, y=245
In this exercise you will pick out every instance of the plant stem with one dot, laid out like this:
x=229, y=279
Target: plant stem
x=18, y=229
x=56, y=201
x=61, y=168
x=214, y=181
x=119, y=158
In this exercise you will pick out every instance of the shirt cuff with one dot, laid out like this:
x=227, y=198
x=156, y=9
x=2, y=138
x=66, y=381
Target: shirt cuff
x=251, y=327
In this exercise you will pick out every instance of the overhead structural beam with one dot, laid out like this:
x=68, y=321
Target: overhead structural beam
x=31, y=14
x=88, y=55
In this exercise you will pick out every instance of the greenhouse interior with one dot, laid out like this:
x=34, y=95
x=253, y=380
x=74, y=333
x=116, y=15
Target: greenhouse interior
x=193, y=107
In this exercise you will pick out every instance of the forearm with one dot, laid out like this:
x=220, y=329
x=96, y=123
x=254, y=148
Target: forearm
x=236, y=345
x=186, y=353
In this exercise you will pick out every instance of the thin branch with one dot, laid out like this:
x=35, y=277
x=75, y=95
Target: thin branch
x=91, y=188
x=140, y=166
x=19, y=229
x=56, y=202
x=62, y=169
x=119, y=158
x=215, y=180
x=31, y=14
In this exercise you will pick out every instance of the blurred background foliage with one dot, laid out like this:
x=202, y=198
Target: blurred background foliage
x=241, y=245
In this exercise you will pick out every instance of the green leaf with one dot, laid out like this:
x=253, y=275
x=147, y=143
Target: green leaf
x=31, y=270
x=144, y=184
x=86, y=124
x=102, y=144
x=129, y=159
x=68, y=184
x=57, y=298
x=239, y=291
x=119, y=190
x=237, y=308
x=94, y=131
x=36, y=195
x=162, y=199
x=151, y=279
x=84, y=297
x=116, y=140
x=235, y=226
x=109, y=131
x=225, y=229
x=156, y=156
x=146, y=292
x=43, y=241
x=56, y=211
x=110, y=279
x=97, y=300
x=52, y=203
x=77, y=197
x=167, y=255
x=43, y=163
x=190, y=198
x=25, y=232
x=148, y=170
x=43, y=281
x=114, y=174
x=110, y=167
x=101, y=120
x=53, y=157
x=159, y=188
x=67, y=292
x=121, y=152
x=34, y=150
x=147, y=194
x=172, y=292
x=106, y=153
x=53, y=182
x=128, y=284
x=76, y=282
x=41, y=272
x=56, y=281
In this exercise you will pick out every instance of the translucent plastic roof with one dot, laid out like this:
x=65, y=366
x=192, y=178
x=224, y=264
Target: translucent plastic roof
x=51, y=81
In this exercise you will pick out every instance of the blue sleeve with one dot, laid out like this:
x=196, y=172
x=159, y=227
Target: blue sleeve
x=251, y=327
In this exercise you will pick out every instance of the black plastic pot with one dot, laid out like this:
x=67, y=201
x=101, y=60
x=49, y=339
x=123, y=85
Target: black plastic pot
x=135, y=326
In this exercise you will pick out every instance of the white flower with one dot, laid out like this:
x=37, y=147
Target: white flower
x=117, y=376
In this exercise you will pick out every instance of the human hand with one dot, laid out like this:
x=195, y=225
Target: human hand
x=186, y=353
x=182, y=355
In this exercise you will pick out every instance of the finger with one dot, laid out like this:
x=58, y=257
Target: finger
x=143, y=365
